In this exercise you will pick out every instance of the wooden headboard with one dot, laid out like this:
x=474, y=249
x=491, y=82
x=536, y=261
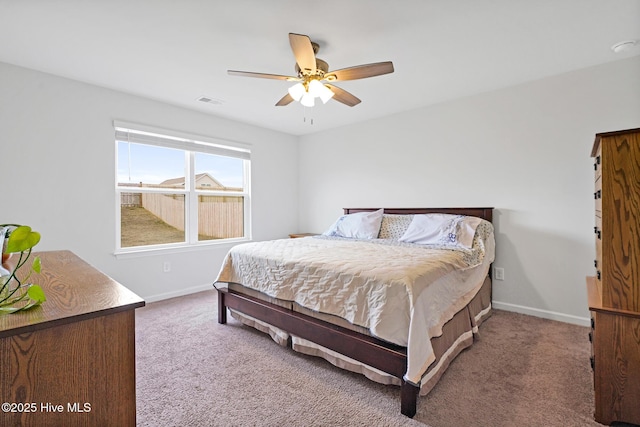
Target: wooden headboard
x=484, y=213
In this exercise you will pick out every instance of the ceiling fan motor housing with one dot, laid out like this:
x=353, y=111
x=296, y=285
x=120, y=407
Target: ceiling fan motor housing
x=321, y=68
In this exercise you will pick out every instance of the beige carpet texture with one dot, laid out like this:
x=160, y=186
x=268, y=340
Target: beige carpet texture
x=192, y=371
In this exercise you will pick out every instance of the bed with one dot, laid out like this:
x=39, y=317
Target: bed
x=399, y=318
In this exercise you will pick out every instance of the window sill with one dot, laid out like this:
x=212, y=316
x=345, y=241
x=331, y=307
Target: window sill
x=143, y=252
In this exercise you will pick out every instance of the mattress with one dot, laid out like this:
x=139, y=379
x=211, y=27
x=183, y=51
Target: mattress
x=400, y=293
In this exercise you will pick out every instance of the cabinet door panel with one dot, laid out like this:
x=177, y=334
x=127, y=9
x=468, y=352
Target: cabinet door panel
x=621, y=221
x=617, y=368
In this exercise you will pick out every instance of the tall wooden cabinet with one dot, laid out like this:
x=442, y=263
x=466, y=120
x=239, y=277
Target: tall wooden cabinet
x=614, y=292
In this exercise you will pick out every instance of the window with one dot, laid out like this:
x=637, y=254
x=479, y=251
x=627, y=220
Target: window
x=175, y=191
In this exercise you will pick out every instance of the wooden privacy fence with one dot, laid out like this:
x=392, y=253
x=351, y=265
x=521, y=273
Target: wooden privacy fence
x=219, y=217
x=130, y=200
x=168, y=207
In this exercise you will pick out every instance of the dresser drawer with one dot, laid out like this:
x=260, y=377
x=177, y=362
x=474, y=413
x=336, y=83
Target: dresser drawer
x=597, y=195
x=597, y=162
x=592, y=331
x=598, y=261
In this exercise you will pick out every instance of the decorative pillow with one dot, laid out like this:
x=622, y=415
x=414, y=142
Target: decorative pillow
x=442, y=229
x=483, y=231
x=360, y=225
x=394, y=226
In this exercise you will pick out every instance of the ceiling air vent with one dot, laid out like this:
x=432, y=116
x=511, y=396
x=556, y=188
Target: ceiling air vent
x=210, y=100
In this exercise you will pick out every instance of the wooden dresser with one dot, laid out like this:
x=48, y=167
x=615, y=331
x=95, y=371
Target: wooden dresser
x=614, y=292
x=71, y=361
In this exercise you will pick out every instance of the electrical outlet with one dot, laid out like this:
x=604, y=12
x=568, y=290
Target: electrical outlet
x=498, y=273
x=166, y=266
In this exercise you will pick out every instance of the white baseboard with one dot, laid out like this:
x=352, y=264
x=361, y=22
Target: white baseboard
x=545, y=314
x=179, y=293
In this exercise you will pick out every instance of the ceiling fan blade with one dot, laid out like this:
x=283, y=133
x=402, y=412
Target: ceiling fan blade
x=361, y=71
x=262, y=75
x=343, y=96
x=303, y=52
x=286, y=100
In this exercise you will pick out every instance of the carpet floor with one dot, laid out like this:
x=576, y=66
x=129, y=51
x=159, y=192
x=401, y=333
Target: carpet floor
x=192, y=371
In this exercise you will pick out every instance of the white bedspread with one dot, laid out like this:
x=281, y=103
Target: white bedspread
x=402, y=293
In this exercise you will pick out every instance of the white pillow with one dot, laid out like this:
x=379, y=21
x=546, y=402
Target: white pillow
x=442, y=229
x=360, y=225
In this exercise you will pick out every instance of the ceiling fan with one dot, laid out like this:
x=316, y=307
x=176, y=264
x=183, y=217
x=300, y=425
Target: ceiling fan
x=312, y=72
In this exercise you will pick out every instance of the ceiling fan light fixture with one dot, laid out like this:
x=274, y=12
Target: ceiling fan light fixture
x=315, y=88
x=297, y=91
x=318, y=90
x=326, y=94
x=307, y=100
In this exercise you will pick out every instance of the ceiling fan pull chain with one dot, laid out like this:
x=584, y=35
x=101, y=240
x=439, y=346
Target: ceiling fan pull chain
x=304, y=119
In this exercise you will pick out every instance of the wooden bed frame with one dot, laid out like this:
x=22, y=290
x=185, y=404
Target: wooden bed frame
x=379, y=354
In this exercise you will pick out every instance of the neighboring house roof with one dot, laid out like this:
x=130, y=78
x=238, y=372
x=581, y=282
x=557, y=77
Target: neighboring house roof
x=201, y=179
x=176, y=182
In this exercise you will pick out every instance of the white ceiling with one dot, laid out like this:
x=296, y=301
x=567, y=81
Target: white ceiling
x=177, y=51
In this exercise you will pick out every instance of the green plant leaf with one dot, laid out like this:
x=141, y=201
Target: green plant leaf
x=36, y=293
x=37, y=264
x=14, y=296
x=9, y=310
x=22, y=239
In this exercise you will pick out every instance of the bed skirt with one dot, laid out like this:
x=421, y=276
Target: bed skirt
x=457, y=334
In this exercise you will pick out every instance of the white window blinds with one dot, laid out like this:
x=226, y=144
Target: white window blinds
x=145, y=135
